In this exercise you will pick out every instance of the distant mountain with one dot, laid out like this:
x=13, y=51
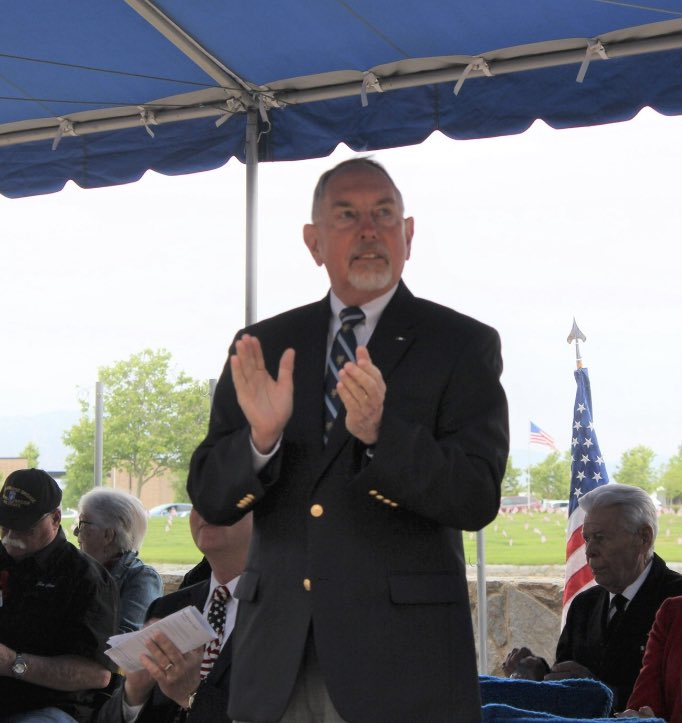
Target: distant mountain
x=44, y=430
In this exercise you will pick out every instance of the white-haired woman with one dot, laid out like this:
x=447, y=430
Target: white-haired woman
x=111, y=527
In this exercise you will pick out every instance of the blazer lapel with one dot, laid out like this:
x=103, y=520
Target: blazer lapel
x=394, y=333
x=199, y=593
x=310, y=342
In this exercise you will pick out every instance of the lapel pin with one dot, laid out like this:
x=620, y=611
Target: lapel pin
x=400, y=338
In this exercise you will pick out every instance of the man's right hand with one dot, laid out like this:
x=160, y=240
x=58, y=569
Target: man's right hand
x=138, y=687
x=267, y=403
x=139, y=683
x=521, y=663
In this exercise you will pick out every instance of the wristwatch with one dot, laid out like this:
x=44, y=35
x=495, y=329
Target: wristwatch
x=19, y=666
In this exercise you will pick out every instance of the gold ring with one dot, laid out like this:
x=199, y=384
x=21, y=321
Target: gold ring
x=168, y=667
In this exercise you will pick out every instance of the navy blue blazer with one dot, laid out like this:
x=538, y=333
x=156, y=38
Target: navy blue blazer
x=366, y=552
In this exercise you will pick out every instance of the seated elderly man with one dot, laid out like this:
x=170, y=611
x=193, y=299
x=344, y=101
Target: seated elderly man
x=607, y=625
x=57, y=609
x=111, y=527
x=194, y=686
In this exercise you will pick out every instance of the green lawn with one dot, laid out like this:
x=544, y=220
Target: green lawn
x=162, y=544
x=535, y=538
x=539, y=538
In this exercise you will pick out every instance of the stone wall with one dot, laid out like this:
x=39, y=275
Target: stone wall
x=520, y=612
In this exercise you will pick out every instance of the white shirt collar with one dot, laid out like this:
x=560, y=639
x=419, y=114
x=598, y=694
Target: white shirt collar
x=214, y=584
x=632, y=589
x=373, y=310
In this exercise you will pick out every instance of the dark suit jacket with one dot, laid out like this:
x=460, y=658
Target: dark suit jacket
x=659, y=684
x=211, y=700
x=617, y=661
x=368, y=551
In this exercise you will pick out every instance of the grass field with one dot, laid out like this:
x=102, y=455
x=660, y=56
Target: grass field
x=535, y=538
x=539, y=538
x=172, y=545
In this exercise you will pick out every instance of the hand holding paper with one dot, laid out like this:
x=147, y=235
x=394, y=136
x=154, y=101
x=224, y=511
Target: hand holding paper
x=186, y=629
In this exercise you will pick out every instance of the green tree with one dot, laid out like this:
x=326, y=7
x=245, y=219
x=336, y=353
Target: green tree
x=31, y=454
x=80, y=463
x=671, y=478
x=511, y=482
x=154, y=418
x=637, y=468
x=551, y=478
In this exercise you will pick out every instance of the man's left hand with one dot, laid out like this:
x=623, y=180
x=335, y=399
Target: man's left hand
x=177, y=674
x=362, y=390
x=568, y=669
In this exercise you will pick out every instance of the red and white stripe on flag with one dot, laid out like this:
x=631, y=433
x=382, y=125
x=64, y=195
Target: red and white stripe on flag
x=578, y=573
x=539, y=436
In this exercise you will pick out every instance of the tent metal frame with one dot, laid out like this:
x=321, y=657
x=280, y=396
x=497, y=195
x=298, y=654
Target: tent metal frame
x=233, y=94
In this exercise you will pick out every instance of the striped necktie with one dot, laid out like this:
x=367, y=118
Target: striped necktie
x=618, y=605
x=216, y=619
x=343, y=350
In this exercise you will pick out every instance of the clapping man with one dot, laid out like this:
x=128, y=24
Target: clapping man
x=364, y=431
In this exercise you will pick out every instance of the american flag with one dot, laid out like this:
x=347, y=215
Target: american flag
x=587, y=472
x=539, y=436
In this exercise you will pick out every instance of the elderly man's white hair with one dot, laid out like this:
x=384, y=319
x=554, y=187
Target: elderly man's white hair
x=637, y=507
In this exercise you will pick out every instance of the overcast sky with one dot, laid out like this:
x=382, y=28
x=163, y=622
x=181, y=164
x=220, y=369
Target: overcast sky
x=522, y=232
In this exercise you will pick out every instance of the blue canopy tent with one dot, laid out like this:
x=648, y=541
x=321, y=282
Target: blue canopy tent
x=84, y=85
x=81, y=83
x=100, y=91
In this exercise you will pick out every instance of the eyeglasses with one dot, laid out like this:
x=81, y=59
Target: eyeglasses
x=384, y=216
x=77, y=528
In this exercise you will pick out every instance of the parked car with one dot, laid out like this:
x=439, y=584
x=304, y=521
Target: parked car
x=182, y=509
x=519, y=503
x=555, y=505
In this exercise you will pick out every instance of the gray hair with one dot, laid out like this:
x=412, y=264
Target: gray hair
x=118, y=511
x=637, y=507
x=363, y=162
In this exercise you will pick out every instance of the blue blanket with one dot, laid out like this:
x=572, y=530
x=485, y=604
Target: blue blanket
x=572, y=698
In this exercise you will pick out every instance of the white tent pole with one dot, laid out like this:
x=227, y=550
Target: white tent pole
x=251, y=213
x=482, y=605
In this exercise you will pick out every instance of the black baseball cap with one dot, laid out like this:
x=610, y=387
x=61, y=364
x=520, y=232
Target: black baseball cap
x=26, y=496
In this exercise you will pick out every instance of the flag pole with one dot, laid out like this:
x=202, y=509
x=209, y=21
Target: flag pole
x=528, y=475
x=587, y=472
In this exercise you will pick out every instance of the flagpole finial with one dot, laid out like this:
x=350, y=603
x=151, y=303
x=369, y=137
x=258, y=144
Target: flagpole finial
x=577, y=336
